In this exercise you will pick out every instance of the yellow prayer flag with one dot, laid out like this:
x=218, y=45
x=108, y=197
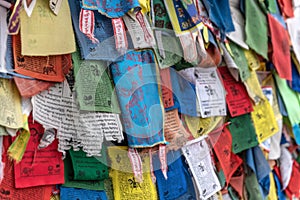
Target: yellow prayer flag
x=272, y=194
x=10, y=105
x=45, y=33
x=124, y=183
x=145, y=4
x=264, y=120
x=252, y=59
x=253, y=88
x=202, y=126
x=18, y=147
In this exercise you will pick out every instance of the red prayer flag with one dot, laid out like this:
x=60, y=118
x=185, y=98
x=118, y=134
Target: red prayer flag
x=8, y=190
x=281, y=49
x=39, y=166
x=237, y=98
x=286, y=7
x=222, y=143
x=293, y=188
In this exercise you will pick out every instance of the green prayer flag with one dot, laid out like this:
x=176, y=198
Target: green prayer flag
x=256, y=28
x=240, y=60
x=89, y=168
x=252, y=186
x=168, y=50
x=70, y=182
x=93, y=85
x=243, y=133
x=272, y=6
x=290, y=99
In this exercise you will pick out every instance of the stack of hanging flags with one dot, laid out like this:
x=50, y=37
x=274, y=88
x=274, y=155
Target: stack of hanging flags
x=140, y=99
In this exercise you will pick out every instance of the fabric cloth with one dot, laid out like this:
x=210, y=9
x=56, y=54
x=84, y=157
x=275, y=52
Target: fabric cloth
x=252, y=60
x=256, y=28
x=89, y=168
x=183, y=15
x=47, y=68
x=190, y=194
x=108, y=187
x=166, y=88
x=238, y=35
x=276, y=13
x=175, y=133
x=202, y=126
x=176, y=184
x=233, y=194
x=252, y=186
x=124, y=183
x=142, y=117
x=168, y=50
x=281, y=57
x=275, y=143
x=93, y=85
x=39, y=166
x=295, y=61
x=70, y=182
x=11, y=105
x=210, y=92
x=296, y=8
x=184, y=94
x=198, y=158
x=286, y=8
x=219, y=14
x=104, y=33
x=222, y=147
x=29, y=88
x=295, y=83
x=286, y=167
x=165, y=49
x=36, y=34
x=243, y=133
x=280, y=192
x=3, y=38
x=264, y=120
x=9, y=191
x=237, y=98
x=1, y=163
x=9, y=62
x=291, y=102
x=273, y=194
x=240, y=60
x=268, y=85
x=281, y=105
x=237, y=181
x=293, y=25
x=161, y=17
x=112, y=9
x=293, y=187
x=259, y=165
x=81, y=194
